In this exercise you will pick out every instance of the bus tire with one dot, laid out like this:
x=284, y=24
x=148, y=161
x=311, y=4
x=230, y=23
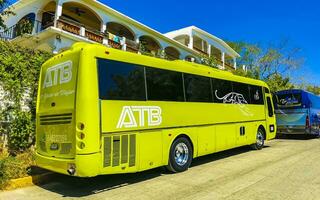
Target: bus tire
x=180, y=156
x=258, y=145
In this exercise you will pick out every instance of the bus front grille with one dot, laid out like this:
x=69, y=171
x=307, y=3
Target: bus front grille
x=120, y=150
x=56, y=119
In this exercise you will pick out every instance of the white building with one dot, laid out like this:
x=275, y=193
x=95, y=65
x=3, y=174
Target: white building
x=54, y=25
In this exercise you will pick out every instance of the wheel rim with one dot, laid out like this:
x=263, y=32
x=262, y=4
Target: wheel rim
x=260, y=138
x=181, y=154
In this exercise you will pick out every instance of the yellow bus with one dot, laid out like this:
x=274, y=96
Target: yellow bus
x=106, y=111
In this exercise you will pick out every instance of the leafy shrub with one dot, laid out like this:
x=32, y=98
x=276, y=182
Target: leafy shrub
x=19, y=76
x=12, y=167
x=21, y=132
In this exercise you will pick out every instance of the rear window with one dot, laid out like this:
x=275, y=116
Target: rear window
x=288, y=100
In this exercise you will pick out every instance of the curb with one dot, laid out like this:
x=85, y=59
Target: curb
x=28, y=181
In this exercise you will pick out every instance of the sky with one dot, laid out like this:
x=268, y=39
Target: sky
x=253, y=21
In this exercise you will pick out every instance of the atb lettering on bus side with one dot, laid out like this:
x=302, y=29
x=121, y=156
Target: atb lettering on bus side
x=128, y=120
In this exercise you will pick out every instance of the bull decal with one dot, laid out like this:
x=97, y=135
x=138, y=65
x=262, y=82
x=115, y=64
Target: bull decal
x=232, y=97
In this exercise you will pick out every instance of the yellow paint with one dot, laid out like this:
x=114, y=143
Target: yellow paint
x=210, y=127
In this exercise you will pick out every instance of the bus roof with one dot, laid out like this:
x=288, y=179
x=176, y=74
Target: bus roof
x=290, y=91
x=177, y=65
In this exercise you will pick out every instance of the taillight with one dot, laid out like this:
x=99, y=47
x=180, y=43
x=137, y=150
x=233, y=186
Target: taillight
x=307, y=122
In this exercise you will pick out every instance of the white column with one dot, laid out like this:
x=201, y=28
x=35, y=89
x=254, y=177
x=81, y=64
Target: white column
x=235, y=63
x=83, y=31
x=202, y=45
x=103, y=27
x=137, y=40
x=223, y=55
x=104, y=30
x=123, y=43
x=209, y=50
x=190, y=41
x=58, y=12
x=37, y=23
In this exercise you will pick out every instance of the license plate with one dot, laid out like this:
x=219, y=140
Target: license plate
x=54, y=146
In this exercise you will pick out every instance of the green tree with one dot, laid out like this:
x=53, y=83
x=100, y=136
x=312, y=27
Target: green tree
x=209, y=61
x=271, y=63
x=313, y=89
x=19, y=72
x=4, y=11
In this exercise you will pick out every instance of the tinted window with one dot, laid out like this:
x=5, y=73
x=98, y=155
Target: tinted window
x=164, y=85
x=197, y=88
x=270, y=109
x=266, y=90
x=120, y=81
x=256, y=96
x=289, y=100
x=241, y=93
x=222, y=91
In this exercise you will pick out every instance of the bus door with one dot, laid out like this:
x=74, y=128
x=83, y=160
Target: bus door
x=270, y=115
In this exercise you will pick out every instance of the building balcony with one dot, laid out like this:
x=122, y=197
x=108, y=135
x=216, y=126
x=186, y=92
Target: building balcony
x=34, y=28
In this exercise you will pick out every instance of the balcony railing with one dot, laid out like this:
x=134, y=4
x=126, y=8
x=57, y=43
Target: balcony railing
x=73, y=27
x=132, y=46
x=69, y=27
x=200, y=51
x=27, y=27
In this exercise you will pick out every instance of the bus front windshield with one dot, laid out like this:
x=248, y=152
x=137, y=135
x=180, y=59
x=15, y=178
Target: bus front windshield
x=289, y=100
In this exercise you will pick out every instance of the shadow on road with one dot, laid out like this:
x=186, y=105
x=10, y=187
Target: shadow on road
x=80, y=187
x=297, y=137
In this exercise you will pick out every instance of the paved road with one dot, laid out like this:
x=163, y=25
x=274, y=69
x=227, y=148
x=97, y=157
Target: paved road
x=287, y=169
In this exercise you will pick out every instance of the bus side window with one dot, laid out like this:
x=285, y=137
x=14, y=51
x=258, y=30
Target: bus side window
x=270, y=109
x=256, y=96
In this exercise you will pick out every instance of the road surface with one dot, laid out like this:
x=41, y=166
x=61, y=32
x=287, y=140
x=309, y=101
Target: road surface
x=287, y=169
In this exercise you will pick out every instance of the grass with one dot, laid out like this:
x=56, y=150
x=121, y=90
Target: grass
x=12, y=167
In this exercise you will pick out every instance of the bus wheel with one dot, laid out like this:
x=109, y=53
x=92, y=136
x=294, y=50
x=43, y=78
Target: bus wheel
x=180, y=156
x=259, y=140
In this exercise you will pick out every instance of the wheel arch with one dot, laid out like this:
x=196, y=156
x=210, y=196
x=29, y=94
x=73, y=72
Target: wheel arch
x=188, y=138
x=264, y=131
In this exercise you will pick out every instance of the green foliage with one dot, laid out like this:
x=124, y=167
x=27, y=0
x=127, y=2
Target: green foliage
x=19, y=72
x=12, y=167
x=313, y=89
x=271, y=64
x=209, y=61
x=21, y=131
x=24, y=26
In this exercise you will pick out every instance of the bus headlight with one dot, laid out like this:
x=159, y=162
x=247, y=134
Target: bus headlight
x=272, y=128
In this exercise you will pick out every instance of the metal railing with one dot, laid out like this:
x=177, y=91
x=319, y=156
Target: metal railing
x=32, y=27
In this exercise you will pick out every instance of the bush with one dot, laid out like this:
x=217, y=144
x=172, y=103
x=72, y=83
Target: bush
x=19, y=76
x=12, y=167
x=21, y=132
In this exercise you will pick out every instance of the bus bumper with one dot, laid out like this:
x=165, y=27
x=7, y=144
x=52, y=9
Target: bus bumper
x=81, y=166
x=293, y=130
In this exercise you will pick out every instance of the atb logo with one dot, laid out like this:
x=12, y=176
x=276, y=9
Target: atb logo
x=149, y=114
x=58, y=74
